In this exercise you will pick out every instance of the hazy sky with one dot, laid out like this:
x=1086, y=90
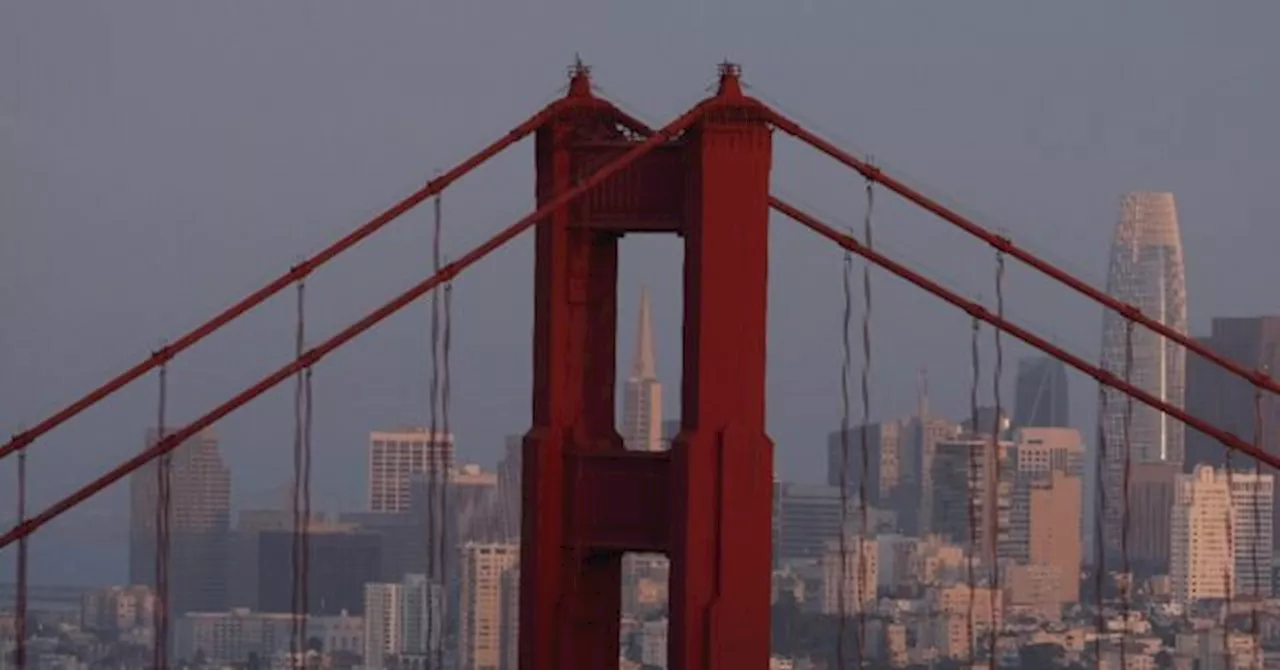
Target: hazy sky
x=159, y=160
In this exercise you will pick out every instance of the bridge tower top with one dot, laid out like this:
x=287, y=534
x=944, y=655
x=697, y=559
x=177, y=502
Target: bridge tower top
x=730, y=80
x=579, y=79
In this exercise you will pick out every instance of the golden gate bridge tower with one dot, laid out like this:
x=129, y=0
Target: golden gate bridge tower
x=706, y=503
x=586, y=501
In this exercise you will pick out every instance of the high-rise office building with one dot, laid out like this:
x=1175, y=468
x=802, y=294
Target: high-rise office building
x=854, y=582
x=919, y=446
x=1040, y=394
x=396, y=456
x=199, y=525
x=470, y=503
x=1047, y=516
x=642, y=394
x=1231, y=403
x=509, y=477
x=1146, y=270
x=405, y=618
x=481, y=615
x=341, y=560
x=806, y=518
x=510, y=639
x=242, y=582
x=1024, y=494
x=1221, y=535
x=1227, y=401
x=973, y=500
x=1151, y=495
x=883, y=457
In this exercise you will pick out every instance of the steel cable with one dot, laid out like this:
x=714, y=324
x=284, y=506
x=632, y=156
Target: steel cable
x=1256, y=533
x=972, y=488
x=1228, y=569
x=297, y=643
x=20, y=604
x=1126, y=577
x=845, y=430
x=1102, y=475
x=864, y=585
x=305, y=601
x=431, y=466
x=445, y=392
x=160, y=618
x=996, y=479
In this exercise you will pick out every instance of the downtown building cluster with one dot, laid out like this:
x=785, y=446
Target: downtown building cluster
x=938, y=533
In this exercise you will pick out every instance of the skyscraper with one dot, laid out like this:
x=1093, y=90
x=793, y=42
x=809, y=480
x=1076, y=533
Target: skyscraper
x=1227, y=401
x=396, y=456
x=1231, y=403
x=480, y=631
x=1221, y=535
x=199, y=525
x=1146, y=270
x=642, y=396
x=403, y=618
x=1040, y=394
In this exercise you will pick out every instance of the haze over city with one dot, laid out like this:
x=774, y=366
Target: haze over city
x=159, y=161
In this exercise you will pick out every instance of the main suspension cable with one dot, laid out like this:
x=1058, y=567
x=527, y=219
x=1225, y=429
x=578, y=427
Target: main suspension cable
x=1126, y=577
x=846, y=371
x=971, y=498
x=996, y=479
x=864, y=587
x=198, y=334
x=160, y=619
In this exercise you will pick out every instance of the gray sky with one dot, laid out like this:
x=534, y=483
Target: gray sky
x=159, y=160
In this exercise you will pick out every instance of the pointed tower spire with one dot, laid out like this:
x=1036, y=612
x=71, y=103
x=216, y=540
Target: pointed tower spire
x=644, y=366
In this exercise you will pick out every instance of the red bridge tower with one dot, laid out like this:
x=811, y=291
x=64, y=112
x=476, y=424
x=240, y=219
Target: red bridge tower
x=707, y=502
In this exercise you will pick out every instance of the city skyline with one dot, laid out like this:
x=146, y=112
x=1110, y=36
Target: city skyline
x=159, y=164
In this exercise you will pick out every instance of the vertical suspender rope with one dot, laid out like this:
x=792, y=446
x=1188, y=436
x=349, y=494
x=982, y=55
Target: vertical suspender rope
x=864, y=587
x=432, y=466
x=996, y=479
x=445, y=391
x=972, y=488
x=301, y=516
x=1228, y=569
x=1126, y=577
x=1256, y=526
x=1102, y=476
x=845, y=430
x=160, y=647
x=20, y=606
x=305, y=580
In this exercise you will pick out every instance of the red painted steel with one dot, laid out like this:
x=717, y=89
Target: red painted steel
x=707, y=502
x=315, y=354
x=1227, y=438
x=1258, y=378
